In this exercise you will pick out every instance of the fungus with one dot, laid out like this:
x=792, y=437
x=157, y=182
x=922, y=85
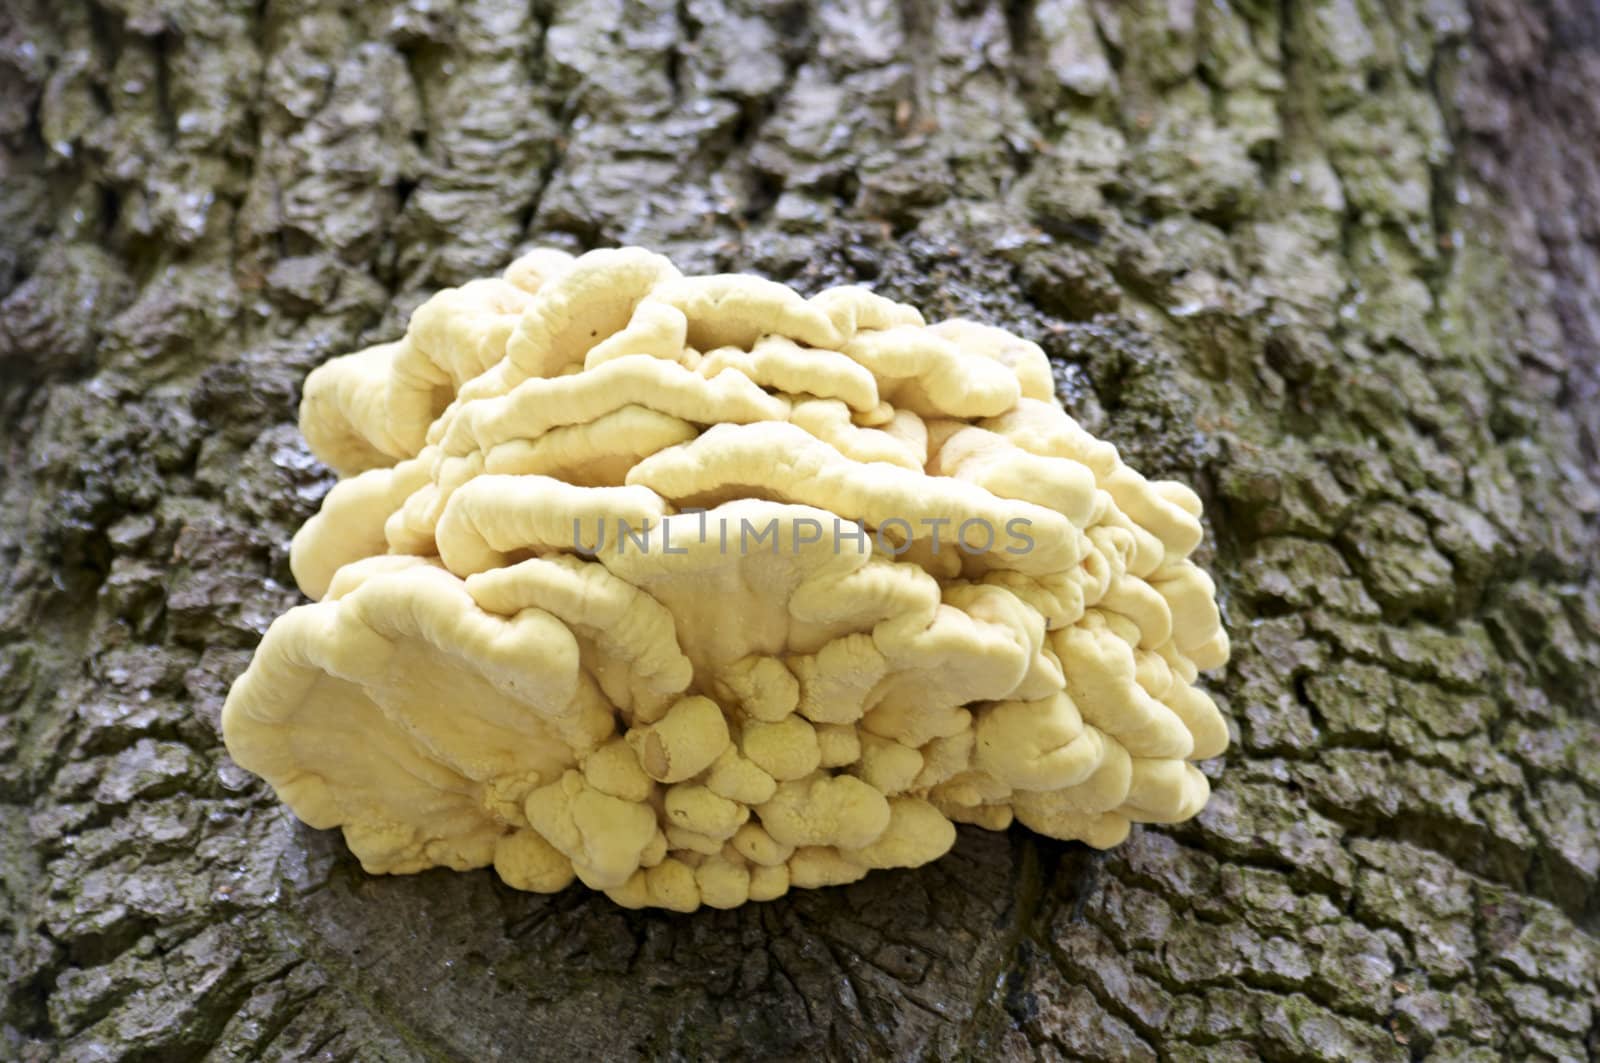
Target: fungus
x=696, y=591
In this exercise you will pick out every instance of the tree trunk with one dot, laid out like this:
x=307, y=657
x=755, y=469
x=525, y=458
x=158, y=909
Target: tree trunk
x=1335, y=262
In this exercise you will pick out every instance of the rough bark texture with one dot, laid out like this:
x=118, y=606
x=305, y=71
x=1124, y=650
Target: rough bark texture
x=1335, y=262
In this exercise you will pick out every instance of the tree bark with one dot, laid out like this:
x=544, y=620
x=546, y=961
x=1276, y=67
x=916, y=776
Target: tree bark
x=1337, y=263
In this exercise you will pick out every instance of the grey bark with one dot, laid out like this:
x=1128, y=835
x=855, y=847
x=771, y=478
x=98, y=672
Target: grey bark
x=1335, y=262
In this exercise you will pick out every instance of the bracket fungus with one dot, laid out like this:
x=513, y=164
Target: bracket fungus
x=698, y=590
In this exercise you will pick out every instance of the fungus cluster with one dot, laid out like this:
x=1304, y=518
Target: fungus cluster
x=697, y=590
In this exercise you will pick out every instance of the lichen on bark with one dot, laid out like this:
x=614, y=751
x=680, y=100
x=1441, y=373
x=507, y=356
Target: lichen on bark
x=1333, y=261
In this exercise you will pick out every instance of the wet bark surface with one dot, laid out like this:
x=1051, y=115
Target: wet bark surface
x=1337, y=263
